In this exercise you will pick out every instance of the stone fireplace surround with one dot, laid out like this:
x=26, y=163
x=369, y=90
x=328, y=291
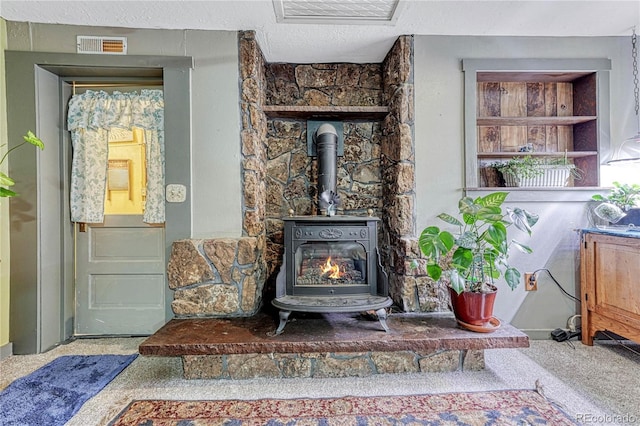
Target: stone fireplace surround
x=221, y=284
x=229, y=277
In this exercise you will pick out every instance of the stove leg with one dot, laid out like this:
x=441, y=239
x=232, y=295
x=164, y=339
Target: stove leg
x=284, y=316
x=382, y=317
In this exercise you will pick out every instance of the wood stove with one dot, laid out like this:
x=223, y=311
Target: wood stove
x=331, y=264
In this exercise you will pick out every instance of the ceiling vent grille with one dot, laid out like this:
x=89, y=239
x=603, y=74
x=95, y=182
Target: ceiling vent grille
x=102, y=45
x=338, y=11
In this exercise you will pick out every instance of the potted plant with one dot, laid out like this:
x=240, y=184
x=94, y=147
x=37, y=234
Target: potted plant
x=623, y=195
x=476, y=254
x=620, y=206
x=530, y=171
x=5, y=180
x=518, y=168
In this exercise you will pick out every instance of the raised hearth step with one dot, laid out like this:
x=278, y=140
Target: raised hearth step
x=325, y=345
x=329, y=332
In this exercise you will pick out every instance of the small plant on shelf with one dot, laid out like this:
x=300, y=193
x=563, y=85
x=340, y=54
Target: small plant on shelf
x=520, y=167
x=530, y=171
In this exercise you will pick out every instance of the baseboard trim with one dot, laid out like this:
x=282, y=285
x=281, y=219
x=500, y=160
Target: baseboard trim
x=6, y=351
x=537, y=334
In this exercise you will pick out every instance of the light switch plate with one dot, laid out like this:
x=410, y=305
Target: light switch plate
x=176, y=193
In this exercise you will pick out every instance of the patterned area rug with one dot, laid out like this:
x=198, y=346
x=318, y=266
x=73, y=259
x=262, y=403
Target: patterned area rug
x=512, y=407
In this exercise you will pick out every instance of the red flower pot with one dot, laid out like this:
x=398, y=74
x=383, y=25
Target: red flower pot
x=473, y=308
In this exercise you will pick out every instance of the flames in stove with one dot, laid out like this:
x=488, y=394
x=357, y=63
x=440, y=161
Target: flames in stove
x=331, y=270
x=317, y=267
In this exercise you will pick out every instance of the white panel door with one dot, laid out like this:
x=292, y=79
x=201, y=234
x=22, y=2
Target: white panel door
x=120, y=277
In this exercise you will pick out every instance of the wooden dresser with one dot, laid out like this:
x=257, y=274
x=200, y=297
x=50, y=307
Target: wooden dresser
x=610, y=283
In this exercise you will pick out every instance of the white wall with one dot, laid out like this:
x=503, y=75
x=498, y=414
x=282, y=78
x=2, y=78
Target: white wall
x=439, y=134
x=217, y=190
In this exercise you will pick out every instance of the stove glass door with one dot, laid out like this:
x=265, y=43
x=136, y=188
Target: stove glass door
x=338, y=265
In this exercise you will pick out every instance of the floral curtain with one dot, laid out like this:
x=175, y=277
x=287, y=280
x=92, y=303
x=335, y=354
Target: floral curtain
x=91, y=116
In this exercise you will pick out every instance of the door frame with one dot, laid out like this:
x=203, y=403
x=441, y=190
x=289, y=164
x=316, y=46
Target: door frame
x=25, y=101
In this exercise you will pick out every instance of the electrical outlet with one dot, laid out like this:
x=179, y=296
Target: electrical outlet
x=530, y=282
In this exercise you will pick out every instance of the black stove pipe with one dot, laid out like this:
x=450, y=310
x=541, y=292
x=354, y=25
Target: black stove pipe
x=327, y=150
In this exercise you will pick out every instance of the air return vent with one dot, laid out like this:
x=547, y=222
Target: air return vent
x=102, y=45
x=338, y=11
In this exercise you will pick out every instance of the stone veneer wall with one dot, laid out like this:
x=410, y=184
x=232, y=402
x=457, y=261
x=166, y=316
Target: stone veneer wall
x=410, y=288
x=291, y=172
x=377, y=172
x=329, y=364
x=216, y=277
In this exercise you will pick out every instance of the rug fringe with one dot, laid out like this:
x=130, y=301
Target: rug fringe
x=540, y=389
x=117, y=408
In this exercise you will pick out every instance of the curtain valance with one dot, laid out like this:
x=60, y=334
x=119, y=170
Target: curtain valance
x=100, y=110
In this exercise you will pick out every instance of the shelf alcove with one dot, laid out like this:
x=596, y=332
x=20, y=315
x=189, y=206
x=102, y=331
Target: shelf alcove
x=554, y=107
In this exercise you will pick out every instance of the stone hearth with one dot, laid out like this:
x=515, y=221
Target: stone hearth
x=324, y=345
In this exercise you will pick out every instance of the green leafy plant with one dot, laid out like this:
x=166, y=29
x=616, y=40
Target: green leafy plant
x=527, y=167
x=478, y=253
x=622, y=195
x=5, y=180
x=520, y=167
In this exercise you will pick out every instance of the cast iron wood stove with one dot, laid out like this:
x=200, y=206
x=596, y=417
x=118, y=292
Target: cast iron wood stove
x=331, y=264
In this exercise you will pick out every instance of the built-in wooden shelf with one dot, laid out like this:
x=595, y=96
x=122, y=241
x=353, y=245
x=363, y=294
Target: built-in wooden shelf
x=554, y=107
x=507, y=154
x=534, y=121
x=327, y=112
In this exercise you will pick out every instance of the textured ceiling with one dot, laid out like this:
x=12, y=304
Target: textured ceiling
x=342, y=42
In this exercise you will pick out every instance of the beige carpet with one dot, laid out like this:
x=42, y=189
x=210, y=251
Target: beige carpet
x=599, y=381
x=607, y=373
